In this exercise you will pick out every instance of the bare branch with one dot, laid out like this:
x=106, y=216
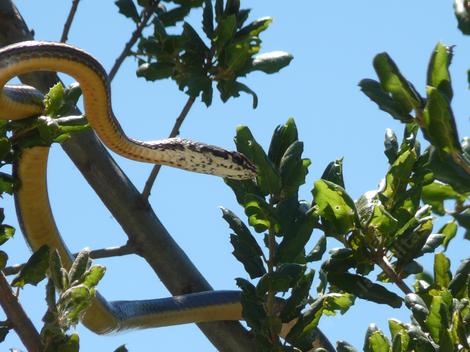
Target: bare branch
x=174, y=132
x=68, y=22
x=385, y=265
x=96, y=254
x=145, y=231
x=17, y=317
x=145, y=16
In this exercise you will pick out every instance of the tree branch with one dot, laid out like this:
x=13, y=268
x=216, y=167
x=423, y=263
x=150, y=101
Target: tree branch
x=17, y=317
x=144, y=18
x=96, y=254
x=174, y=132
x=145, y=231
x=68, y=22
x=385, y=265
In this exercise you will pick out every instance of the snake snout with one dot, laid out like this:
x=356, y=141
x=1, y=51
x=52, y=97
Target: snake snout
x=246, y=165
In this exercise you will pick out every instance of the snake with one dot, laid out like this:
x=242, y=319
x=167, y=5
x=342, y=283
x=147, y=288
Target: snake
x=32, y=201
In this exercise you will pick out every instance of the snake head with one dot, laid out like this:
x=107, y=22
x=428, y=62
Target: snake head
x=246, y=168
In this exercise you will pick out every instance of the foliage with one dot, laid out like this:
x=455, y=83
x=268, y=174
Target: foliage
x=388, y=228
x=227, y=52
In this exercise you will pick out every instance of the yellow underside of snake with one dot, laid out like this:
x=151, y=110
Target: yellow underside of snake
x=32, y=201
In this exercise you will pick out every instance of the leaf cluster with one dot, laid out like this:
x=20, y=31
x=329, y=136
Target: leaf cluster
x=225, y=52
x=440, y=315
x=75, y=289
x=272, y=306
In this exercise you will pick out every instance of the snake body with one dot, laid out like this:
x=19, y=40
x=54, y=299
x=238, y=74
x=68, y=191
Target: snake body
x=32, y=202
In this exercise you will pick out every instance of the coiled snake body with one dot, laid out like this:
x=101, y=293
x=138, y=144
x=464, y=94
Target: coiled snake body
x=32, y=201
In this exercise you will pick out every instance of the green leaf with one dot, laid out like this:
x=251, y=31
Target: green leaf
x=438, y=123
x=449, y=230
x=433, y=241
x=268, y=178
x=79, y=266
x=334, y=172
x=3, y=260
x=436, y=193
x=128, y=9
x=208, y=19
x=270, y=62
x=457, y=286
x=445, y=169
x=438, y=70
x=53, y=100
x=393, y=82
x=418, y=307
x=173, y=16
x=121, y=348
x=462, y=13
x=398, y=176
x=225, y=31
x=317, y=252
x=400, y=336
x=253, y=309
x=93, y=275
x=391, y=145
x=283, y=137
x=293, y=169
x=73, y=302
x=335, y=205
x=343, y=346
x=385, y=102
x=34, y=270
x=298, y=299
x=229, y=89
x=260, y=214
x=337, y=302
x=7, y=183
x=6, y=232
x=377, y=342
x=295, y=239
x=245, y=247
x=442, y=275
x=364, y=288
x=55, y=270
x=434, y=321
x=155, y=70
x=286, y=276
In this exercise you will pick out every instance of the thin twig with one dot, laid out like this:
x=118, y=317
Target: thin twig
x=388, y=270
x=17, y=317
x=68, y=23
x=145, y=16
x=96, y=254
x=174, y=132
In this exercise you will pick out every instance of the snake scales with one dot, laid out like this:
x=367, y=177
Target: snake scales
x=32, y=201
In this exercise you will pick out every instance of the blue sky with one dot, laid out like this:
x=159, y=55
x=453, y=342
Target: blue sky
x=333, y=44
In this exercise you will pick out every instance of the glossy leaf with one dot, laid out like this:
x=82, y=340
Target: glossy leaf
x=80, y=265
x=457, y=286
x=34, y=271
x=418, y=307
x=245, y=247
x=343, y=346
x=393, y=82
x=208, y=19
x=92, y=276
x=271, y=62
x=229, y=89
x=128, y=9
x=391, y=145
x=268, y=177
x=335, y=205
x=285, y=277
x=436, y=193
x=438, y=75
x=283, y=137
x=334, y=172
x=439, y=126
x=385, y=102
x=462, y=13
x=442, y=274
x=293, y=169
x=317, y=252
x=364, y=288
x=298, y=299
x=173, y=16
